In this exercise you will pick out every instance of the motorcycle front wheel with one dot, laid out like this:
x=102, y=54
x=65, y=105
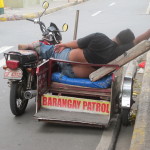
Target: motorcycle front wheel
x=17, y=105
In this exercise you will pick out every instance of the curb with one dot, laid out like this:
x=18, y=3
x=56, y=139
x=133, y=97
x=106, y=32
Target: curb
x=141, y=134
x=110, y=135
x=36, y=14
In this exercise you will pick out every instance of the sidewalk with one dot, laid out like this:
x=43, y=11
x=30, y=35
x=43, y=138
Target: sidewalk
x=141, y=133
x=33, y=12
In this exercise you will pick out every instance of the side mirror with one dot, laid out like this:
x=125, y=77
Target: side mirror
x=65, y=27
x=45, y=5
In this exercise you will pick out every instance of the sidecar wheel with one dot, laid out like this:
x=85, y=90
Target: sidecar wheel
x=125, y=117
x=17, y=105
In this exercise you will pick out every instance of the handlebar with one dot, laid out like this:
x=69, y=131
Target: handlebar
x=42, y=25
x=30, y=20
x=51, y=33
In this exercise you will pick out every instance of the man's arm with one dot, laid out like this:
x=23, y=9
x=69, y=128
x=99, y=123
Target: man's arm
x=80, y=43
x=72, y=44
x=62, y=46
x=144, y=36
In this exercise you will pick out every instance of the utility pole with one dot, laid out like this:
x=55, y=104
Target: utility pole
x=1, y=7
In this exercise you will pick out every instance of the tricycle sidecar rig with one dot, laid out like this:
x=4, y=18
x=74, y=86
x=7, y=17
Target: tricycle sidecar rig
x=78, y=101
x=60, y=99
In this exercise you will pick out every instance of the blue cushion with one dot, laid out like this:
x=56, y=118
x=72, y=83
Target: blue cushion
x=105, y=82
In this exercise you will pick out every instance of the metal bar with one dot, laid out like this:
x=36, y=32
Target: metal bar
x=89, y=64
x=76, y=25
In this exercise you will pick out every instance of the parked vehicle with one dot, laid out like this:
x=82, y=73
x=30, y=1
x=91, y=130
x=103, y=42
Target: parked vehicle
x=64, y=100
x=20, y=69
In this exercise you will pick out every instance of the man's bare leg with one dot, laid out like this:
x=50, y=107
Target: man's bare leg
x=80, y=71
x=32, y=46
x=25, y=47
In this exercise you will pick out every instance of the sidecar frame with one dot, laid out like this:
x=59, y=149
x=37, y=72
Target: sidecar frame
x=108, y=96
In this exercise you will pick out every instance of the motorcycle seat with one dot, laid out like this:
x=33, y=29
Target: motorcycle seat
x=24, y=56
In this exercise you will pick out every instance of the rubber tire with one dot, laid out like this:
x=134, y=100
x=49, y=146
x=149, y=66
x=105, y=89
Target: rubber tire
x=13, y=100
x=125, y=117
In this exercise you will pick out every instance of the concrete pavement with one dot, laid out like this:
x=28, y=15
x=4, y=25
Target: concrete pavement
x=141, y=134
x=11, y=14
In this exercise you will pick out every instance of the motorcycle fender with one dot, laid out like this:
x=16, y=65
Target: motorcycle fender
x=127, y=87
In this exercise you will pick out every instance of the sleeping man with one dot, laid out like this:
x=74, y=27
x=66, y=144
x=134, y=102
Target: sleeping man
x=95, y=48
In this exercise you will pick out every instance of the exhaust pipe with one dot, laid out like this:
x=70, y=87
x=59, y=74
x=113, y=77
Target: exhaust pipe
x=30, y=94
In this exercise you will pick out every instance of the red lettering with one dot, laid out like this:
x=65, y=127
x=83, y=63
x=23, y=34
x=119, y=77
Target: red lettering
x=13, y=74
x=69, y=103
x=44, y=100
x=78, y=104
x=89, y=106
x=64, y=103
x=50, y=102
x=107, y=108
x=59, y=103
x=54, y=101
x=98, y=107
x=93, y=104
x=84, y=105
x=74, y=104
x=6, y=74
x=103, y=107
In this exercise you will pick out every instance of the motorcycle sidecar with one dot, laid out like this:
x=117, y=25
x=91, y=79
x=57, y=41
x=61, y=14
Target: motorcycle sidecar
x=78, y=101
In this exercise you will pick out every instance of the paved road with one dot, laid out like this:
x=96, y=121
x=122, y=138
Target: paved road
x=110, y=16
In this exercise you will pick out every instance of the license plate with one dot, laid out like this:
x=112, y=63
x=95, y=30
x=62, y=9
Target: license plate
x=13, y=74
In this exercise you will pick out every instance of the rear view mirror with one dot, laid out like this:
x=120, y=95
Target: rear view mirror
x=65, y=27
x=45, y=5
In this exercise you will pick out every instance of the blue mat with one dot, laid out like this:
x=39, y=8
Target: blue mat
x=105, y=82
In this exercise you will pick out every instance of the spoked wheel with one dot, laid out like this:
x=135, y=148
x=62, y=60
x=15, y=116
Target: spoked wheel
x=125, y=114
x=17, y=103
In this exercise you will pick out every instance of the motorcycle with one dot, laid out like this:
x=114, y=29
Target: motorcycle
x=20, y=69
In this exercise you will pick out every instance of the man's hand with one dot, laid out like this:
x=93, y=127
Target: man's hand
x=59, y=48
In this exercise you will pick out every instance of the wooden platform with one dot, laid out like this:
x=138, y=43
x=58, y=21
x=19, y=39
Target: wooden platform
x=78, y=90
x=75, y=118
